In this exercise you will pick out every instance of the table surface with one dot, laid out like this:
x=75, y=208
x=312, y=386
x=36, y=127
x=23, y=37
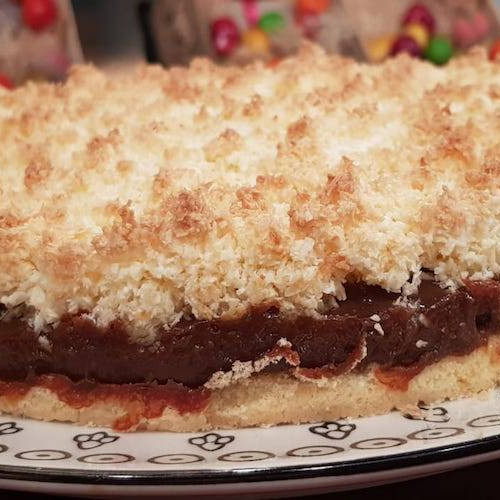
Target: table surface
x=478, y=482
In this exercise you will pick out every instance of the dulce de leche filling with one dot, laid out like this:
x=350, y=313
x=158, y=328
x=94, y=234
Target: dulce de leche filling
x=368, y=327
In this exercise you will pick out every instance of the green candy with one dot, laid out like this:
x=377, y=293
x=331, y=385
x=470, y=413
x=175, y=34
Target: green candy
x=439, y=50
x=271, y=21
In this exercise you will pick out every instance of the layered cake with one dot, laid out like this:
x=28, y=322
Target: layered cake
x=214, y=247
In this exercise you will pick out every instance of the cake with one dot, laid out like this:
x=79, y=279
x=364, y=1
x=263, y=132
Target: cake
x=212, y=247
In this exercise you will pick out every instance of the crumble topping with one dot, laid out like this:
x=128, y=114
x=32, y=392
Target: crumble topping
x=204, y=191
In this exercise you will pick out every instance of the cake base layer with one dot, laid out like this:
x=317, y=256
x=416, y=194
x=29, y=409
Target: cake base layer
x=269, y=399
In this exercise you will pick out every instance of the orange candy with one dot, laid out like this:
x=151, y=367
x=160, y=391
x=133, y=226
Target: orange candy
x=378, y=49
x=312, y=6
x=495, y=51
x=256, y=41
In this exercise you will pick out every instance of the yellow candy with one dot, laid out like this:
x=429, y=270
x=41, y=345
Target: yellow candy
x=419, y=33
x=379, y=48
x=256, y=41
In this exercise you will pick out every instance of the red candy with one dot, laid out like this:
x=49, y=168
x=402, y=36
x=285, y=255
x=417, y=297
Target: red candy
x=251, y=10
x=419, y=13
x=225, y=35
x=309, y=22
x=467, y=32
x=463, y=33
x=5, y=81
x=481, y=25
x=406, y=44
x=495, y=51
x=39, y=14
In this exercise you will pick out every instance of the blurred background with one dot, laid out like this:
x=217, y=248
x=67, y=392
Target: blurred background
x=40, y=39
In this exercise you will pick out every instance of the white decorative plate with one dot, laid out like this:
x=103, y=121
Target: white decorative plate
x=62, y=458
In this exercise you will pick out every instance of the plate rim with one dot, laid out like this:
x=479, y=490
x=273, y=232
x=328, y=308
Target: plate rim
x=251, y=475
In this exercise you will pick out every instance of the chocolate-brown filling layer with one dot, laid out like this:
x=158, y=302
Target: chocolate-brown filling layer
x=439, y=324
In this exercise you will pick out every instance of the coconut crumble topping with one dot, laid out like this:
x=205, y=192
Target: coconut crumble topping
x=204, y=191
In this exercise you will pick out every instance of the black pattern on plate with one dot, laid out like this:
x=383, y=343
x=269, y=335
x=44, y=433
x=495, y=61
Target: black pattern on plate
x=314, y=451
x=3, y=448
x=435, y=433
x=436, y=414
x=246, y=456
x=43, y=455
x=176, y=459
x=485, y=421
x=106, y=458
x=94, y=440
x=333, y=430
x=211, y=441
x=378, y=443
x=9, y=428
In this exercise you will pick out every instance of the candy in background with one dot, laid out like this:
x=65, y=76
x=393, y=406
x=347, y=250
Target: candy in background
x=40, y=38
x=237, y=31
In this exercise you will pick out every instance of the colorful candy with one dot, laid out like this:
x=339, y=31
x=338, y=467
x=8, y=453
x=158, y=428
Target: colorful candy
x=405, y=43
x=39, y=14
x=256, y=41
x=271, y=22
x=439, y=50
x=225, y=35
x=307, y=15
x=309, y=22
x=495, y=51
x=419, y=33
x=251, y=11
x=5, y=81
x=312, y=6
x=466, y=32
x=417, y=37
x=379, y=48
x=481, y=25
x=420, y=14
x=463, y=32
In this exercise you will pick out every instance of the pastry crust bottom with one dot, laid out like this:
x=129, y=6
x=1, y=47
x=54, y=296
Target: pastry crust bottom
x=270, y=399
